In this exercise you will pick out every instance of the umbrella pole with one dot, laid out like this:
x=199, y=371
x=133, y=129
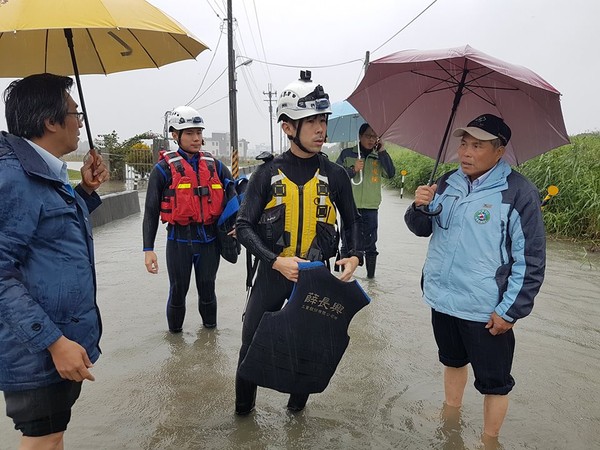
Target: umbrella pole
x=360, y=178
x=69, y=37
x=455, y=103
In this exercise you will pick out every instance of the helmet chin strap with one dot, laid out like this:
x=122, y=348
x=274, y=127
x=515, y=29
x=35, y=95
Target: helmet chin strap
x=296, y=139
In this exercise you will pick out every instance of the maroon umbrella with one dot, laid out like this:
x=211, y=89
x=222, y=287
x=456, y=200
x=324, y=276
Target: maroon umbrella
x=415, y=98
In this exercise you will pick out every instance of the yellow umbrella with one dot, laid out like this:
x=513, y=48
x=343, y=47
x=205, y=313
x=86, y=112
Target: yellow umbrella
x=68, y=37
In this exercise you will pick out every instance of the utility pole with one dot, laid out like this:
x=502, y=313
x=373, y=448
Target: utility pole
x=367, y=56
x=166, y=127
x=233, y=132
x=271, y=95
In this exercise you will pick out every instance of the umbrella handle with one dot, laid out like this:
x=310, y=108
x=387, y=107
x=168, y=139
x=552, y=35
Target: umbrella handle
x=360, y=178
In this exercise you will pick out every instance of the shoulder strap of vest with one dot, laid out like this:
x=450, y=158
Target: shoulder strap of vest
x=323, y=159
x=209, y=160
x=173, y=159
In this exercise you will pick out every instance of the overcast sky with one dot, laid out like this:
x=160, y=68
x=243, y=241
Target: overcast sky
x=557, y=39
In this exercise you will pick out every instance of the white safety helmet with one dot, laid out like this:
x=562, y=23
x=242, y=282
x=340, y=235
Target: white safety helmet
x=184, y=117
x=303, y=98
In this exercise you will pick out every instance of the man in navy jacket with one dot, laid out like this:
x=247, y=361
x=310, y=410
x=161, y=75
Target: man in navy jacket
x=49, y=320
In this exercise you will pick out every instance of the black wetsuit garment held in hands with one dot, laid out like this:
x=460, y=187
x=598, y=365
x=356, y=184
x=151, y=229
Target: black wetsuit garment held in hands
x=297, y=349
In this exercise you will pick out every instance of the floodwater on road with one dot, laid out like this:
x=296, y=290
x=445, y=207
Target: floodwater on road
x=154, y=390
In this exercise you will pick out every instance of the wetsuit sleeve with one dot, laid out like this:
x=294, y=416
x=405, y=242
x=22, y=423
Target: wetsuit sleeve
x=387, y=164
x=156, y=185
x=256, y=198
x=344, y=201
x=528, y=256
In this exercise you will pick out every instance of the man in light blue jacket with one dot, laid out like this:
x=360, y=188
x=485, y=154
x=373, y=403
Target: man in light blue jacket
x=49, y=320
x=485, y=264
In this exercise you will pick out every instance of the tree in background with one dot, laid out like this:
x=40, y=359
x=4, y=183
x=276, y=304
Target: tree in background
x=110, y=147
x=139, y=158
x=132, y=152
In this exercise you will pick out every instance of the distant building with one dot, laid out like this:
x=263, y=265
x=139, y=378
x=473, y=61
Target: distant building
x=218, y=145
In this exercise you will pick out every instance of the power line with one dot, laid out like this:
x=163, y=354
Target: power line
x=210, y=104
x=260, y=35
x=250, y=29
x=195, y=96
x=304, y=66
x=248, y=74
x=251, y=92
x=405, y=26
x=214, y=81
x=216, y=13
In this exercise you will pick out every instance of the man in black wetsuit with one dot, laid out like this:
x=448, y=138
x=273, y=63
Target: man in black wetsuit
x=289, y=214
x=186, y=191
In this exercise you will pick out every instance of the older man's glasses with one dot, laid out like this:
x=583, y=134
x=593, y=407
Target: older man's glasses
x=80, y=115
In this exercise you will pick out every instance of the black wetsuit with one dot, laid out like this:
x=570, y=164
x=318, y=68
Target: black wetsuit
x=271, y=288
x=194, y=245
x=297, y=349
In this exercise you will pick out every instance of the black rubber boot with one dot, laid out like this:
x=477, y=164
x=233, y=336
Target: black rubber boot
x=371, y=262
x=245, y=396
x=297, y=402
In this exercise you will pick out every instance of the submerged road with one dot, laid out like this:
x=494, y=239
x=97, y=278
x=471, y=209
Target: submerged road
x=154, y=390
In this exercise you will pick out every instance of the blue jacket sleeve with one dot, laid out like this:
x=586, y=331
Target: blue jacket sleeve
x=527, y=256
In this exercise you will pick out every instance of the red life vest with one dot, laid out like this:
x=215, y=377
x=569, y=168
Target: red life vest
x=192, y=197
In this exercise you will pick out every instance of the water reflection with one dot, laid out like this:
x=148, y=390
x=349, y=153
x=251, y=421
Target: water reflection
x=160, y=391
x=191, y=386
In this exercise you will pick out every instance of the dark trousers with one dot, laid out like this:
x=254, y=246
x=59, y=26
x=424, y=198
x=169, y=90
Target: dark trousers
x=181, y=258
x=270, y=291
x=368, y=233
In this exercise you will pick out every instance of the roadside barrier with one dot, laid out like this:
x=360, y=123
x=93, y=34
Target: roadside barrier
x=115, y=206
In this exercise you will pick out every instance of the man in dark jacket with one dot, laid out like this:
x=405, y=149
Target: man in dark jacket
x=49, y=320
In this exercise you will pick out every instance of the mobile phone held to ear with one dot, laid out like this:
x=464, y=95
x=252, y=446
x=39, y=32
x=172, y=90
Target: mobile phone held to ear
x=377, y=146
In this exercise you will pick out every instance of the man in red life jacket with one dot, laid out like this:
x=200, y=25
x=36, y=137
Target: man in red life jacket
x=185, y=191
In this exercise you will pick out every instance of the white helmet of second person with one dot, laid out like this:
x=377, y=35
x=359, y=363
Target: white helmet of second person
x=184, y=117
x=303, y=98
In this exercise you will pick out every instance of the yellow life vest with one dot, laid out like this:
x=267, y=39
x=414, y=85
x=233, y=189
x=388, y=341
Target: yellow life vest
x=308, y=212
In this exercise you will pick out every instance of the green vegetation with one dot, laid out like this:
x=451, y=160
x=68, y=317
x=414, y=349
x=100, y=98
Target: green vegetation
x=74, y=175
x=575, y=169
x=131, y=151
